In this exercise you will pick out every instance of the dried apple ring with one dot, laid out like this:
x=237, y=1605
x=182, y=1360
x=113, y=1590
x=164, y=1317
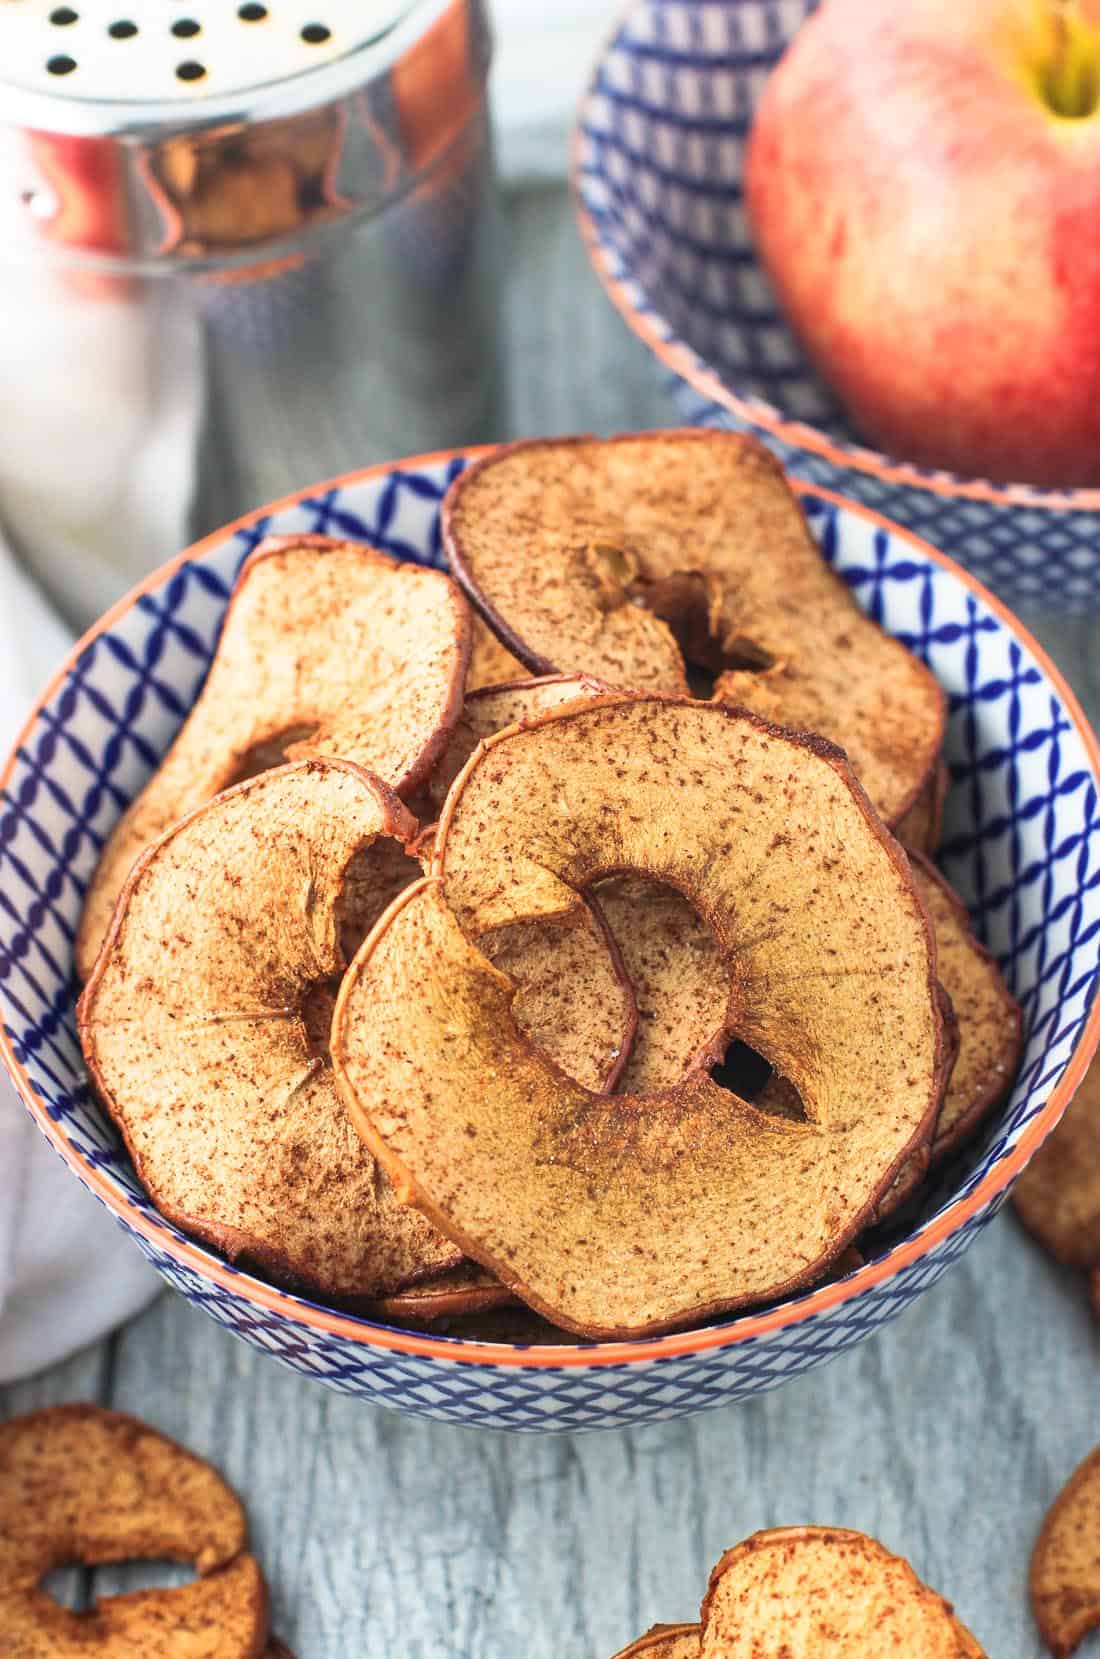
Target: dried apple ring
x=989, y=1018
x=205, y=1028
x=327, y=648
x=570, y=1196
x=672, y=960
x=1065, y=1565
x=920, y=829
x=461, y=1291
x=491, y=663
x=639, y=558
x=491, y=708
x=83, y=1486
x=824, y=1593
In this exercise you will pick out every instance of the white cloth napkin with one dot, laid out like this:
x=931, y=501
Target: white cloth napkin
x=67, y=1273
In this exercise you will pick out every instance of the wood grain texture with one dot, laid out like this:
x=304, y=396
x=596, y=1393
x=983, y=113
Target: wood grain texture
x=947, y=1436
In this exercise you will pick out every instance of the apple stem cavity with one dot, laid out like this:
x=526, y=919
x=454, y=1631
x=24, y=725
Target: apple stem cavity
x=1070, y=78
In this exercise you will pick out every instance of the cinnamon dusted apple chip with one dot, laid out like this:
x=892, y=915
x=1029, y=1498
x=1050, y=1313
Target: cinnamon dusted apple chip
x=1065, y=1566
x=921, y=827
x=674, y=963
x=911, y=1175
x=205, y=1029
x=1058, y=1196
x=327, y=648
x=665, y=1641
x=81, y=1485
x=990, y=1023
x=492, y=708
x=616, y=1215
x=463, y=1290
x=824, y=1593
x=642, y=558
x=491, y=663
x=573, y=998
x=221, y=1617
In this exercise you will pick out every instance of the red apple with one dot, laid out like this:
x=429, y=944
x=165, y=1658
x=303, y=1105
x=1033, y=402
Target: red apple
x=923, y=182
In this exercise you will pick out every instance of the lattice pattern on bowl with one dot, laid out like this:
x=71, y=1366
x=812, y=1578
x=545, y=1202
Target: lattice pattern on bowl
x=1023, y=845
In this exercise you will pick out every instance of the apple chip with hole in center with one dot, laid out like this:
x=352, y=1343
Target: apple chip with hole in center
x=205, y=1029
x=618, y=1215
x=658, y=560
x=327, y=648
x=82, y=1485
x=825, y=1593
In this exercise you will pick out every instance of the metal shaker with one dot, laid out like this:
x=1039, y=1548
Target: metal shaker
x=242, y=246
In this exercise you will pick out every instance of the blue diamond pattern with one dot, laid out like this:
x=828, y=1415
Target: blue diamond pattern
x=1022, y=845
x=662, y=138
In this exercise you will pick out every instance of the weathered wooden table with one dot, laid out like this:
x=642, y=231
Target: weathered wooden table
x=947, y=1435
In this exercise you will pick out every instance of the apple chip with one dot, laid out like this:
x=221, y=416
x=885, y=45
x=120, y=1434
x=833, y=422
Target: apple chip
x=205, y=1029
x=642, y=559
x=616, y=1215
x=665, y=1641
x=491, y=663
x=224, y=1616
x=675, y=966
x=920, y=828
x=573, y=998
x=327, y=648
x=492, y=708
x=1065, y=1566
x=1058, y=1196
x=80, y=1485
x=990, y=1024
x=824, y=1593
x=462, y=1290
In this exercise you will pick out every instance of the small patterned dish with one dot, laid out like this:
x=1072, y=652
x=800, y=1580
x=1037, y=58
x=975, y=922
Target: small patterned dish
x=1022, y=845
x=657, y=172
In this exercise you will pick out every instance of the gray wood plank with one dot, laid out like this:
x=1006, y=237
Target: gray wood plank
x=573, y=365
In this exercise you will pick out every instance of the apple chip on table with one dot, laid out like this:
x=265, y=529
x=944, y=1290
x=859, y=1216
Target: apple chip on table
x=812, y=1592
x=80, y=1484
x=1065, y=1564
x=628, y=890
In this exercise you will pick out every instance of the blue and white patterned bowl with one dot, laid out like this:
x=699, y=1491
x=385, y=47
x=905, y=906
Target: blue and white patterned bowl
x=1022, y=844
x=657, y=172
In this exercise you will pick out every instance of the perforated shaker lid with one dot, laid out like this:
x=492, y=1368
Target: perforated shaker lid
x=114, y=66
x=146, y=135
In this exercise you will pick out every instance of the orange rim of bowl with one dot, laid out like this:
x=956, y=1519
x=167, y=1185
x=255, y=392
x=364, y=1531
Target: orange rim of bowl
x=661, y=339
x=747, y=1326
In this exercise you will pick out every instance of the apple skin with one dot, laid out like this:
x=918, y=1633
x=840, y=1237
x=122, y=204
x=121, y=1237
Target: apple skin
x=930, y=225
